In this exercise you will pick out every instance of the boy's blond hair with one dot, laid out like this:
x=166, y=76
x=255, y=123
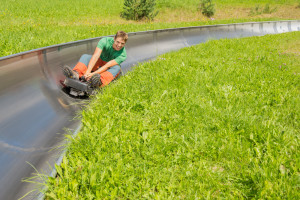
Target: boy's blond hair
x=122, y=35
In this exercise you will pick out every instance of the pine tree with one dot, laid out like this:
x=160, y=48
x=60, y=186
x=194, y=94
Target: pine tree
x=139, y=9
x=207, y=8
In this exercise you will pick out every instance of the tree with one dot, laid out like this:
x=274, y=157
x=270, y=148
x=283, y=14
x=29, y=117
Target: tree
x=139, y=9
x=207, y=8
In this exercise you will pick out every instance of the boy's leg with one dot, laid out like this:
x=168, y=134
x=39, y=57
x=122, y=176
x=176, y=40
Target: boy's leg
x=95, y=80
x=110, y=74
x=82, y=64
x=105, y=77
x=69, y=73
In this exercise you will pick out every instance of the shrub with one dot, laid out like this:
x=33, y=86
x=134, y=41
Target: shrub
x=266, y=10
x=139, y=9
x=207, y=8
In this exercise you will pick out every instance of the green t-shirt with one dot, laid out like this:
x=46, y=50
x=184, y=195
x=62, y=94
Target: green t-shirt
x=108, y=52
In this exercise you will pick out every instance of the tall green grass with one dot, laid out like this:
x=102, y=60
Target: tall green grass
x=193, y=4
x=31, y=24
x=216, y=120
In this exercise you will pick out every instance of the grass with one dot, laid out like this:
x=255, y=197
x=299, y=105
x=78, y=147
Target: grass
x=216, y=120
x=31, y=24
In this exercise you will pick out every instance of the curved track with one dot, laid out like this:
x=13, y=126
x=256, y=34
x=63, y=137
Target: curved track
x=34, y=110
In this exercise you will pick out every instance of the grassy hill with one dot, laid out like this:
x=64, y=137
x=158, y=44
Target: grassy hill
x=30, y=24
x=216, y=120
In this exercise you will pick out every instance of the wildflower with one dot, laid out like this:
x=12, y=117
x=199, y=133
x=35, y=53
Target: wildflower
x=212, y=18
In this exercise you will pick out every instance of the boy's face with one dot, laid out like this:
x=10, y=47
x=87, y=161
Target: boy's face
x=119, y=43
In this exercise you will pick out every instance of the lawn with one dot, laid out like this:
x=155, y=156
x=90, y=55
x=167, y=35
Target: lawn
x=216, y=120
x=31, y=24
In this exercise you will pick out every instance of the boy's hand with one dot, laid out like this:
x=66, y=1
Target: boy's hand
x=88, y=76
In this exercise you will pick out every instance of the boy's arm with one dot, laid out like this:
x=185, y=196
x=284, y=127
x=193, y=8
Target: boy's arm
x=106, y=66
x=93, y=60
x=103, y=68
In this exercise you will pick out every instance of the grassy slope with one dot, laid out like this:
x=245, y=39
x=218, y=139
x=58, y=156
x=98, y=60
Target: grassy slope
x=217, y=120
x=30, y=24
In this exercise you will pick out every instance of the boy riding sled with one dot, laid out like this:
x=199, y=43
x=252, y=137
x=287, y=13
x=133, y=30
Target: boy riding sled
x=103, y=66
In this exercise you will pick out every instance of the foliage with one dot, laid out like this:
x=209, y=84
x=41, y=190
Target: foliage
x=207, y=8
x=38, y=23
x=139, y=9
x=219, y=120
x=266, y=10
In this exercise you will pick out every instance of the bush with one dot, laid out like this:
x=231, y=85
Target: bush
x=266, y=10
x=207, y=8
x=139, y=9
